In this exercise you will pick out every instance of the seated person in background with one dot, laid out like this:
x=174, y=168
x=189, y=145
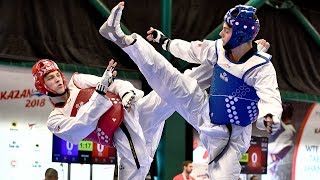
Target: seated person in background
x=51, y=174
x=187, y=169
x=254, y=177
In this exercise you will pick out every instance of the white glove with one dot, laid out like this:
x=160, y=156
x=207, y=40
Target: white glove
x=157, y=36
x=261, y=48
x=127, y=99
x=263, y=45
x=111, y=28
x=107, y=78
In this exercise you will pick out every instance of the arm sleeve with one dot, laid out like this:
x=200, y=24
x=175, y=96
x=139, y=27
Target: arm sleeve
x=74, y=129
x=203, y=75
x=264, y=80
x=187, y=51
x=120, y=87
x=83, y=81
x=201, y=52
x=196, y=52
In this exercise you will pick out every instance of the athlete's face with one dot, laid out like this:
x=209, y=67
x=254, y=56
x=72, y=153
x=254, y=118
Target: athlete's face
x=225, y=33
x=54, y=82
x=189, y=168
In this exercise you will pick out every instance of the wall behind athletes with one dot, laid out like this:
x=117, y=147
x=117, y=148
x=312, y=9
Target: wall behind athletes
x=26, y=142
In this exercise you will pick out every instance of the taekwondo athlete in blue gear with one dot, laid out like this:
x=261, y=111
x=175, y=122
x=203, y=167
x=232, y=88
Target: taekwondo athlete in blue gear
x=228, y=87
x=189, y=98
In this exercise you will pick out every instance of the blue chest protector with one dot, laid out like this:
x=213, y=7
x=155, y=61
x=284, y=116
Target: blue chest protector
x=231, y=100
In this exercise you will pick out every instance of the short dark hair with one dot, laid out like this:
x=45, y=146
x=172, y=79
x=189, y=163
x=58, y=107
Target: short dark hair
x=254, y=176
x=185, y=163
x=51, y=171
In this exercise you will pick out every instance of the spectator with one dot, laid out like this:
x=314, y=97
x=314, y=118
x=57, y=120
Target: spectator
x=254, y=177
x=51, y=174
x=187, y=169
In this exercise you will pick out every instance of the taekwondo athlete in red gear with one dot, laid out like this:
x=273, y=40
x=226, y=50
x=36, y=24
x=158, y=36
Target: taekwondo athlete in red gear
x=50, y=81
x=250, y=86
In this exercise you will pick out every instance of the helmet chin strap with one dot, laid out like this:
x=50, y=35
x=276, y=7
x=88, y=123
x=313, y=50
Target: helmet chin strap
x=228, y=47
x=51, y=94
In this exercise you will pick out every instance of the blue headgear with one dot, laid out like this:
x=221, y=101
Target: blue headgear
x=245, y=26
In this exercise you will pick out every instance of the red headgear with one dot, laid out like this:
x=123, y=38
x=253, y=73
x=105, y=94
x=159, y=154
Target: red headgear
x=42, y=68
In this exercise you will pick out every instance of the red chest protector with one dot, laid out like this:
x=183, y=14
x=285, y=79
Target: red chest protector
x=108, y=122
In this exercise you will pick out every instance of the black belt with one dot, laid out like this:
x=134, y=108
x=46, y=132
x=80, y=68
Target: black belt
x=229, y=126
x=134, y=154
